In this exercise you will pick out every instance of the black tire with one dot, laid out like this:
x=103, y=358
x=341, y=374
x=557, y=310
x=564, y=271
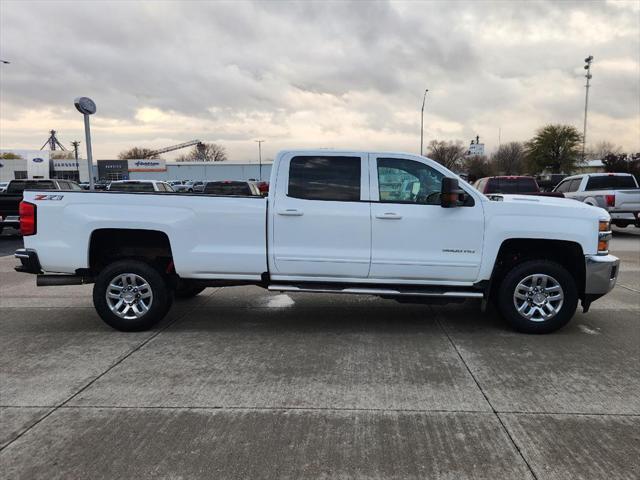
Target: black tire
x=622, y=224
x=187, y=289
x=506, y=301
x=161, y=300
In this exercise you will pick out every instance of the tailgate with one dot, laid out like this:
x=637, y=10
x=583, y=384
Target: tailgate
x=627, y=200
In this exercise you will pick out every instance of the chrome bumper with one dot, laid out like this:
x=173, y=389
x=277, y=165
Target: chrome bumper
x=601, y=273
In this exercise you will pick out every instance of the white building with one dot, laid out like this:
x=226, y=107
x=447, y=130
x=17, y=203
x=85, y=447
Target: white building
x=38, y=164
x=476, y=149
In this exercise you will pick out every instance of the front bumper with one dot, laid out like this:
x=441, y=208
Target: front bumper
x=29, y=261
x=601, y=273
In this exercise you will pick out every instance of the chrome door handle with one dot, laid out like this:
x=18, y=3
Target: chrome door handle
x=291, y=212
x=389, y=216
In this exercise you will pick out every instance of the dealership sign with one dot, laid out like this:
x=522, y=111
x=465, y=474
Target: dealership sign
x=64, y=165
x=147, y=165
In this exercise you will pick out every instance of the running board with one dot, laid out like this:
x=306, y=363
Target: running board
x=436, y=292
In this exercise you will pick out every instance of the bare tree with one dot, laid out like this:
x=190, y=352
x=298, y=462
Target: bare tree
x=450, y=154
x=602, y=149
x=205, y=152
x=509, y=158
x=137, y=152
x=478, y=166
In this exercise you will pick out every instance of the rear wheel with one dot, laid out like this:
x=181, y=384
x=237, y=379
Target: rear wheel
x=538, y=296
x=130, y=295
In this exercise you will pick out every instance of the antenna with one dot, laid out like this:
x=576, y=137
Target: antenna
x=52, y=142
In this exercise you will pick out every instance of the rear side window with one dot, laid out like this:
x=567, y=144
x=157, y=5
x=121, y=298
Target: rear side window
x=325, y=178
x=131, y=187
x=22, y=185
x=610, y=182
x=227, y=188
x=574, y=185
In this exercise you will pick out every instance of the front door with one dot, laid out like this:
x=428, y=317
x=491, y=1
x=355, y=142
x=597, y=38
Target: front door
x=321, y=222
x=413, y=237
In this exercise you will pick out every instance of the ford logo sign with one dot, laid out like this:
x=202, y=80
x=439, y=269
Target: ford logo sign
x=38, y=160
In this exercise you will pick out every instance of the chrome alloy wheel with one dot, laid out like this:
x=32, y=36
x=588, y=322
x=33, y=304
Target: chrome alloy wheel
x=129, y=296
x=538, y=297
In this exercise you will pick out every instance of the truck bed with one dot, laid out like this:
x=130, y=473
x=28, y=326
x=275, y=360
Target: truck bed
x=209, y=235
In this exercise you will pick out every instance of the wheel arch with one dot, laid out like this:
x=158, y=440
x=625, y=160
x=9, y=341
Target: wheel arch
x=110, y=244
x=514, y=251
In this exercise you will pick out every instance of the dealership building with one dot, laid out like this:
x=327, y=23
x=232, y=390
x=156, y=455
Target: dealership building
x=39, y=164
x=159, y=169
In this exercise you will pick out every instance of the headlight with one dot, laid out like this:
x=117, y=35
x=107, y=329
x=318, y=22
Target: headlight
x=604, y=235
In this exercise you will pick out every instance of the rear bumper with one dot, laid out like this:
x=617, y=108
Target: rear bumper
x=10, y=221
x=29, y=262
x=601, y=273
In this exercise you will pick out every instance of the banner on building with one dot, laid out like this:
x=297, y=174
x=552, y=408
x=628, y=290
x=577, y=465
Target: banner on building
x=147, y=165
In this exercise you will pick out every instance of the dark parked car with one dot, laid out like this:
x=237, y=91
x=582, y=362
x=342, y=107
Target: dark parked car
x=519, y=185
x=231, y=187
x=11, y=198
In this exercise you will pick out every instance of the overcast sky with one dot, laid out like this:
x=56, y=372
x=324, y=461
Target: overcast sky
x=326, y=74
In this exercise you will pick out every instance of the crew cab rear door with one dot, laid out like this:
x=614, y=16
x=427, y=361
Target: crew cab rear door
x=320, y=217
x=413, y=238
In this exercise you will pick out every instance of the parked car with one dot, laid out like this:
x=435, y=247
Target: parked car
x=328, y=226
x=3, y=186
x=231, y=187
x=198, y=186
x=618, y=193
x=187, y=186
x=520, y=185
x=11, y=198
x=140, y=186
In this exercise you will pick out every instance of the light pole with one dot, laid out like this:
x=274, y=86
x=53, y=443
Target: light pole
x=259, y=142
x=87, y=107
x=588, y=76
x=75, y=144
x=424, y=98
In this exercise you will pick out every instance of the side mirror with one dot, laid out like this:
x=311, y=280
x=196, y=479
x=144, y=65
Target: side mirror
x=450, y=193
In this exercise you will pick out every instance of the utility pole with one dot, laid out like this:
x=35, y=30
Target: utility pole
x=259, y=142
x=424, y=97
x=588, y=76
x=75, y=144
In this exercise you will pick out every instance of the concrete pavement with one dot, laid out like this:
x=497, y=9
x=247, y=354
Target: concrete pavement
x=243, y=383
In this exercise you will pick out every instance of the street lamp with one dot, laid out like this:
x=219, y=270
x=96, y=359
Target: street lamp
x=588, y=76
x=424, y=97
x=87, y=107
x=259, y=142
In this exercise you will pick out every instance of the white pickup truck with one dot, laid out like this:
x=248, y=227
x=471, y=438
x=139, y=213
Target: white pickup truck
x=617, y=193
x=394, y=225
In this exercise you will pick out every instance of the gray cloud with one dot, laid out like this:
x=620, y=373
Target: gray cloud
x=239, y=69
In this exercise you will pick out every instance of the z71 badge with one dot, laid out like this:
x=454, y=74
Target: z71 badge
x=49, y=197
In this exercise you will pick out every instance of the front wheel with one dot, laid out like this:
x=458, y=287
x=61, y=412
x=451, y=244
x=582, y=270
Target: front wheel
x=131, y=296
x=538, y=296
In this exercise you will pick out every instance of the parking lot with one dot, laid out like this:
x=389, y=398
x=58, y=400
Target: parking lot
x=243, y=383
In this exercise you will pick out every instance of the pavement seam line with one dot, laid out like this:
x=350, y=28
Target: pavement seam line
x=628, y=288
x=495, y=412
x=118, y=361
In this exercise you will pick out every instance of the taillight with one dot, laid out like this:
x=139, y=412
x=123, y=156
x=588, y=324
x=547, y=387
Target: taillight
x=27, y=219
x=611, y=200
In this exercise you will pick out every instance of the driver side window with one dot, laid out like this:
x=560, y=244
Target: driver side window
x=408, y=181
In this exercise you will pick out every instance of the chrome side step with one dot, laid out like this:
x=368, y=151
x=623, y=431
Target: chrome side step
x=392, y=292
